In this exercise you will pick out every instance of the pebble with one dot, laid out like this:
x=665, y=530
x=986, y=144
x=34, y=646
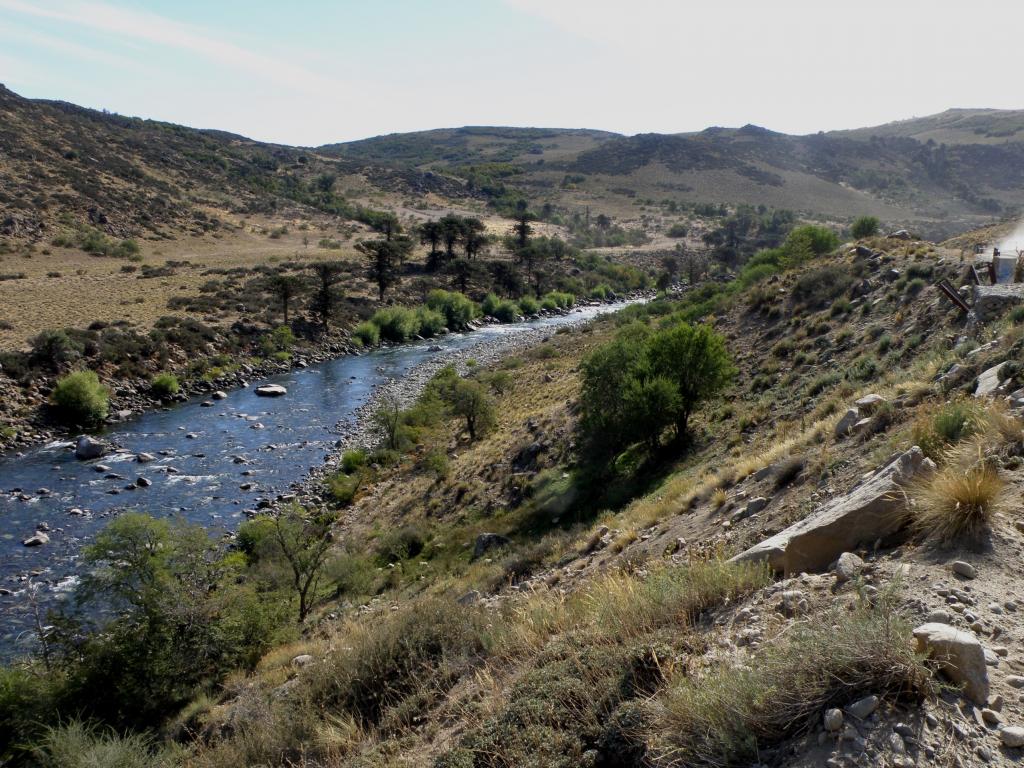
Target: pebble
x=863, y=708
x=1012, y=737
x=965, y=569
x=833, y=720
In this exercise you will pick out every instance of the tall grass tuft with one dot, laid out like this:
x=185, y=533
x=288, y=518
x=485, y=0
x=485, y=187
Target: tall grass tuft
x=956, y=504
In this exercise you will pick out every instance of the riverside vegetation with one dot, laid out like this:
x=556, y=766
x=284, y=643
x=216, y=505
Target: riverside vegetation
x=553, y=560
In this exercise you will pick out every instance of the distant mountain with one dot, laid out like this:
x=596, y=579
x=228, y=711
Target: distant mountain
x=58, y=163
x=64, y=164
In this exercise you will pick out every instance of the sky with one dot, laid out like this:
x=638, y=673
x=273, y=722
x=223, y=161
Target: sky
x=310, y=72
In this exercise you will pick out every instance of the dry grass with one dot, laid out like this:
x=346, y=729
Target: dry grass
x=957, y=503
x=724, y=717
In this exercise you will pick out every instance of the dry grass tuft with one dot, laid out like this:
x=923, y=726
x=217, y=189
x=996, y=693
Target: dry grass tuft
x=957, y=502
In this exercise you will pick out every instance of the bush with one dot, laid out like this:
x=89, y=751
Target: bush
x=52, y=350
x=343, y=487
x=396, y=323
x=506, y=311
x=529, y=305
x=80, y=400
x=677, y=230
x=164, y=385
x=430, y=322
x=367, y=334
x=864, y=226
x=489, y=304
x=956, y=504
x=469, y=400
x=80, y=745
x=353, y=460
x=602, y=292
x=457, y=309
x=935, y=433
x=560, y=299
x=819, y=287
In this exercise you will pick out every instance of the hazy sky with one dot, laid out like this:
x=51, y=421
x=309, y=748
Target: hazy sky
x=311, y=72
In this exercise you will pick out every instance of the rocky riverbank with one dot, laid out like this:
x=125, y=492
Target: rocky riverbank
x=29, y=426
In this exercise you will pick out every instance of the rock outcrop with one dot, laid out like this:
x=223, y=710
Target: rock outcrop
x=875, y=509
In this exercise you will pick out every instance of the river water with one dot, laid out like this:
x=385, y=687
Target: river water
x=212, y=463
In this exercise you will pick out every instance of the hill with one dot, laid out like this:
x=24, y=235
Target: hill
x=753, y=594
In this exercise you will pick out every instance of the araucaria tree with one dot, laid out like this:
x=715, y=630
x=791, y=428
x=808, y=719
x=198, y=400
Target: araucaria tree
x=384, y=258
x=326, y=299
x=285, y=288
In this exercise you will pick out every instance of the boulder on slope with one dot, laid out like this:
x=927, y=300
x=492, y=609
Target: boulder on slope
x=875, y=509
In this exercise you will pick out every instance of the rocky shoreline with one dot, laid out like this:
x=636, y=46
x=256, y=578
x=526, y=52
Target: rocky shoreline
x=129, y=399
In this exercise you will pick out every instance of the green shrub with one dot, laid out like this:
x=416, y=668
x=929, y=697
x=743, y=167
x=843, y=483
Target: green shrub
x=506, y=311
x=915, y=286
x=864, y=226
x=343, y=487
x=946, y=426
x=165, y=385
x=864, y=368
x=839, y=307
x=1017, y=315
x=367, y=334
x=80, y=400
x=489, y=304
x=818, y=287
x=396, y=323
x=430, y=322
x=562, y=300
x=53, y=350
x=80, y=745
x=602, y=292
x=457, y=309
x=529, y=305
x=281, y=339
x=353, y=460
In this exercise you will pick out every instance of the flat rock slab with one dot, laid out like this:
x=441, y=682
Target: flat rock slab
x=990, y=301
x=271, y=390
x=876, y=509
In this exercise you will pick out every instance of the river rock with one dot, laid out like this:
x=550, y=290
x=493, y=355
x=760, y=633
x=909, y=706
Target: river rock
x=960, y=656
x=220, y=395
x=876, y=509
x=271, y=390
x=37, y=539
x=965, y=569
x=143, y=458
x=87, y=448
x=143, y=482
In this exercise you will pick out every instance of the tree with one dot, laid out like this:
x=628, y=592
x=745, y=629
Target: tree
x=285, y=288
x=694, y=358
x=644, y=381
x=603, y=222
x=461, y=271
x=694, y=262
x=506, y=278
x=385, y=257
x=452, y=228
x=430, y=234
x=865, y=226
x=469, y=400
x=303, y=542
x=473, y=236
x=326, y=299
x=521, y=228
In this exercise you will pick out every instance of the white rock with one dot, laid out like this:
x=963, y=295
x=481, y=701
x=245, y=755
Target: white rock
x=833, y=720
x=848, y=566
x=964, y=569
x=960, y=656
x=863, y=708
x=271, y=390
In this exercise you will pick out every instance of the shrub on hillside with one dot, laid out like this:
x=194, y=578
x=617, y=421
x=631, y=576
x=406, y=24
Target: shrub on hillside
x=506, y=311
x=367, y=334
x=52, y=350
x=865, y=226
x=457, y=309
x=396, y=323
x=164, y=385
x=430, y=322
x=819, y=287
x=80, y=400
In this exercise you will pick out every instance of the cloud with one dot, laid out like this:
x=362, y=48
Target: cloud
x=19, y=34
x=149, y=28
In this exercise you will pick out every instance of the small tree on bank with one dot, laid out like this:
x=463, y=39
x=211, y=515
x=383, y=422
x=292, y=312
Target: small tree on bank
x=326, y=298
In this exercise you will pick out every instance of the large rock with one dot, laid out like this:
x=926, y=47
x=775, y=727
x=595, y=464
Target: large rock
x=991, y=301
x=485, y=542
x=876, y=509
x=846, y=423
x=89, y=448
x=271, y=390
x=989, y=381
x=960, y=656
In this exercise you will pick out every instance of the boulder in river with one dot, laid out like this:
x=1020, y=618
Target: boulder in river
x=36, y=540
x=87, y=448
x=271, y=390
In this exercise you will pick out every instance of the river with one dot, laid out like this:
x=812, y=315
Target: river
x=212, y=464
